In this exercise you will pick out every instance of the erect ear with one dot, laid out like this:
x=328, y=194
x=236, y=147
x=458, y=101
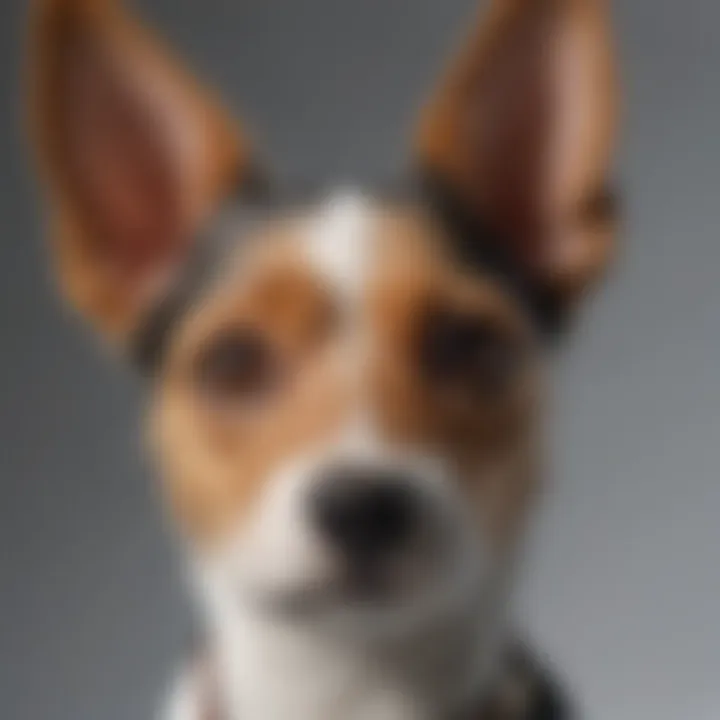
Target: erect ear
x=133, y=152
x=521, y=131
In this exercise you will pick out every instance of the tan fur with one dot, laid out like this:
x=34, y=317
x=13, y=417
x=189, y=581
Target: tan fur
x=477, y=434
x=216, y=458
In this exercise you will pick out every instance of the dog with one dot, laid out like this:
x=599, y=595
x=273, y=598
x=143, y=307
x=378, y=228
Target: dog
x=345, y=386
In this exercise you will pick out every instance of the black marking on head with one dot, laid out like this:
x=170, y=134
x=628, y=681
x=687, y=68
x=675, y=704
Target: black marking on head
x=214, y=245
x=480, y=247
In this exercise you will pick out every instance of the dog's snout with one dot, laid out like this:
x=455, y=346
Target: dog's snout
x=365, y=512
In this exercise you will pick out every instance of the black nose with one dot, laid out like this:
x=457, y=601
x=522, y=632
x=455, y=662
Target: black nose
x=366, y=513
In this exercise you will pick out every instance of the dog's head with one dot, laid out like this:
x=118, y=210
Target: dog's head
x=344, y=402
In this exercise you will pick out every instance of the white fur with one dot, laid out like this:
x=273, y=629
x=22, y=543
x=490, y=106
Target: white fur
x=339, y=244
x=270, y=671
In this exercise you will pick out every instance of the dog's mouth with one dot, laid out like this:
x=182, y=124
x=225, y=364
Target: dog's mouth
x=363, y=588
x=360, y=587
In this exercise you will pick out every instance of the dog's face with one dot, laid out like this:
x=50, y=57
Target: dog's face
x=345, y=414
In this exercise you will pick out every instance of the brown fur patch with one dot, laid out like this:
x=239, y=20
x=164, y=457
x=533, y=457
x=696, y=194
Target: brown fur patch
x=216, y=459
x=489, y=440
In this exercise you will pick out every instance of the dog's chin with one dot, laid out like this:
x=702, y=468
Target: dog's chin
x=371, y=605
x=361, y=594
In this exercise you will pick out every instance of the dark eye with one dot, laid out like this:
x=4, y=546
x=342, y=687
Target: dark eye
x=463, y=349
x=237, y=364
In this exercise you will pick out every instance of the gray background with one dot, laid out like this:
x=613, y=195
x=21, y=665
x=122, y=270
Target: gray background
x=624, y=587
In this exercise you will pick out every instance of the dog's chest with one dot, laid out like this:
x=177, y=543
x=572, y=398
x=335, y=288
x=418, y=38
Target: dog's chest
x=275, y=677
x=522, y=691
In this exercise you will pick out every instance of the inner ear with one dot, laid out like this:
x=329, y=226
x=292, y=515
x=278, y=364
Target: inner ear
x=521, y=131
x=121, y=159
x=135, y=155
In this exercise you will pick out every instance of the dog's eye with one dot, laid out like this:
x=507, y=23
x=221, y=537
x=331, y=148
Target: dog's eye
x=237, y=364
x=463, y=349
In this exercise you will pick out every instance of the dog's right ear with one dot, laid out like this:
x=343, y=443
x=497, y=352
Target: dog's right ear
x=133, y=152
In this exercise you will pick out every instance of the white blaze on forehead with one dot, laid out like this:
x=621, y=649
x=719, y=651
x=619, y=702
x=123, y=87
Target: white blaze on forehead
x=339, y=244
x=340, y=247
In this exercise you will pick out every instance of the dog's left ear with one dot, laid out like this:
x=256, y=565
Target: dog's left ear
x=521, y=133
x=135, y=154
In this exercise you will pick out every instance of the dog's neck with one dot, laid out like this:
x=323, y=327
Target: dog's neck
x=267, y=670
